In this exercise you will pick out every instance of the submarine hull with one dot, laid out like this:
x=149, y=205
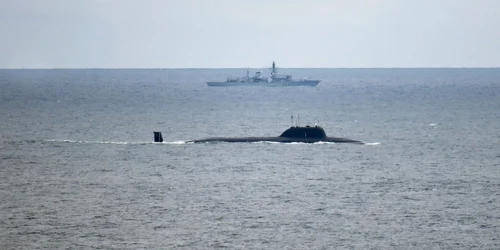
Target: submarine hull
x=305, y=134
x=277, y=139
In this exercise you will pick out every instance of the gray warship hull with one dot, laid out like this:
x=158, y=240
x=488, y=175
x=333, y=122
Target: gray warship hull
x=310, y=83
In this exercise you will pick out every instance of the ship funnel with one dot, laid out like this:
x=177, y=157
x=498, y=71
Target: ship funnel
x=158, y=137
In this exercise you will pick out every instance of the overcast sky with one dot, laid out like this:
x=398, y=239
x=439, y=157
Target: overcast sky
x=249, y=33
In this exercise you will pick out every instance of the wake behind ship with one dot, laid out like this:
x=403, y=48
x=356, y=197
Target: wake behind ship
x=258, y=80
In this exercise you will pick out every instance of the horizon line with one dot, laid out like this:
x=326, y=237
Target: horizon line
x=189, y=68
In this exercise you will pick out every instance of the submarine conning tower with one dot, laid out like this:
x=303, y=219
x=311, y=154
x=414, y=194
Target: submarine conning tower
x=304, y=132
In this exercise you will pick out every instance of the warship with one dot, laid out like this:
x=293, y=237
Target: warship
x=258, y=80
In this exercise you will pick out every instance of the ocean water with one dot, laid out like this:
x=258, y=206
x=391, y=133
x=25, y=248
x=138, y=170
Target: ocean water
x=78, y=169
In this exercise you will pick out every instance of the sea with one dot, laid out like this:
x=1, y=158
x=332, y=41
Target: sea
x=79, y=169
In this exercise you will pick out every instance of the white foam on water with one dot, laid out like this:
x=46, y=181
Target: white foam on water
x=324, y=142
x=98, y=142
x=175, y=142
x=187, y=142
x=268, y=142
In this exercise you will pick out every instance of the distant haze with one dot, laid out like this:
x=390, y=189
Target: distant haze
x=245, y=33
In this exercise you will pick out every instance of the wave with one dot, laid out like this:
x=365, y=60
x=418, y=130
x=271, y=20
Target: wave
x=97, y=142
x=116, y=142
x=175, y=142
x=294, y=143
x=181, y=142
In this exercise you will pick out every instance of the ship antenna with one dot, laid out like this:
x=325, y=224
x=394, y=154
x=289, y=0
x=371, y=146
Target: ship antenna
x=298, y=120
x=291, y=117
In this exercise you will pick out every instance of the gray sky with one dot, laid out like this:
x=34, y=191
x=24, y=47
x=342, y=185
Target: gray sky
x=249, y=33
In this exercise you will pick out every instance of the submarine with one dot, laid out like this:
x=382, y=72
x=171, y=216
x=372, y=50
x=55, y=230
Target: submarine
x=307, y=134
